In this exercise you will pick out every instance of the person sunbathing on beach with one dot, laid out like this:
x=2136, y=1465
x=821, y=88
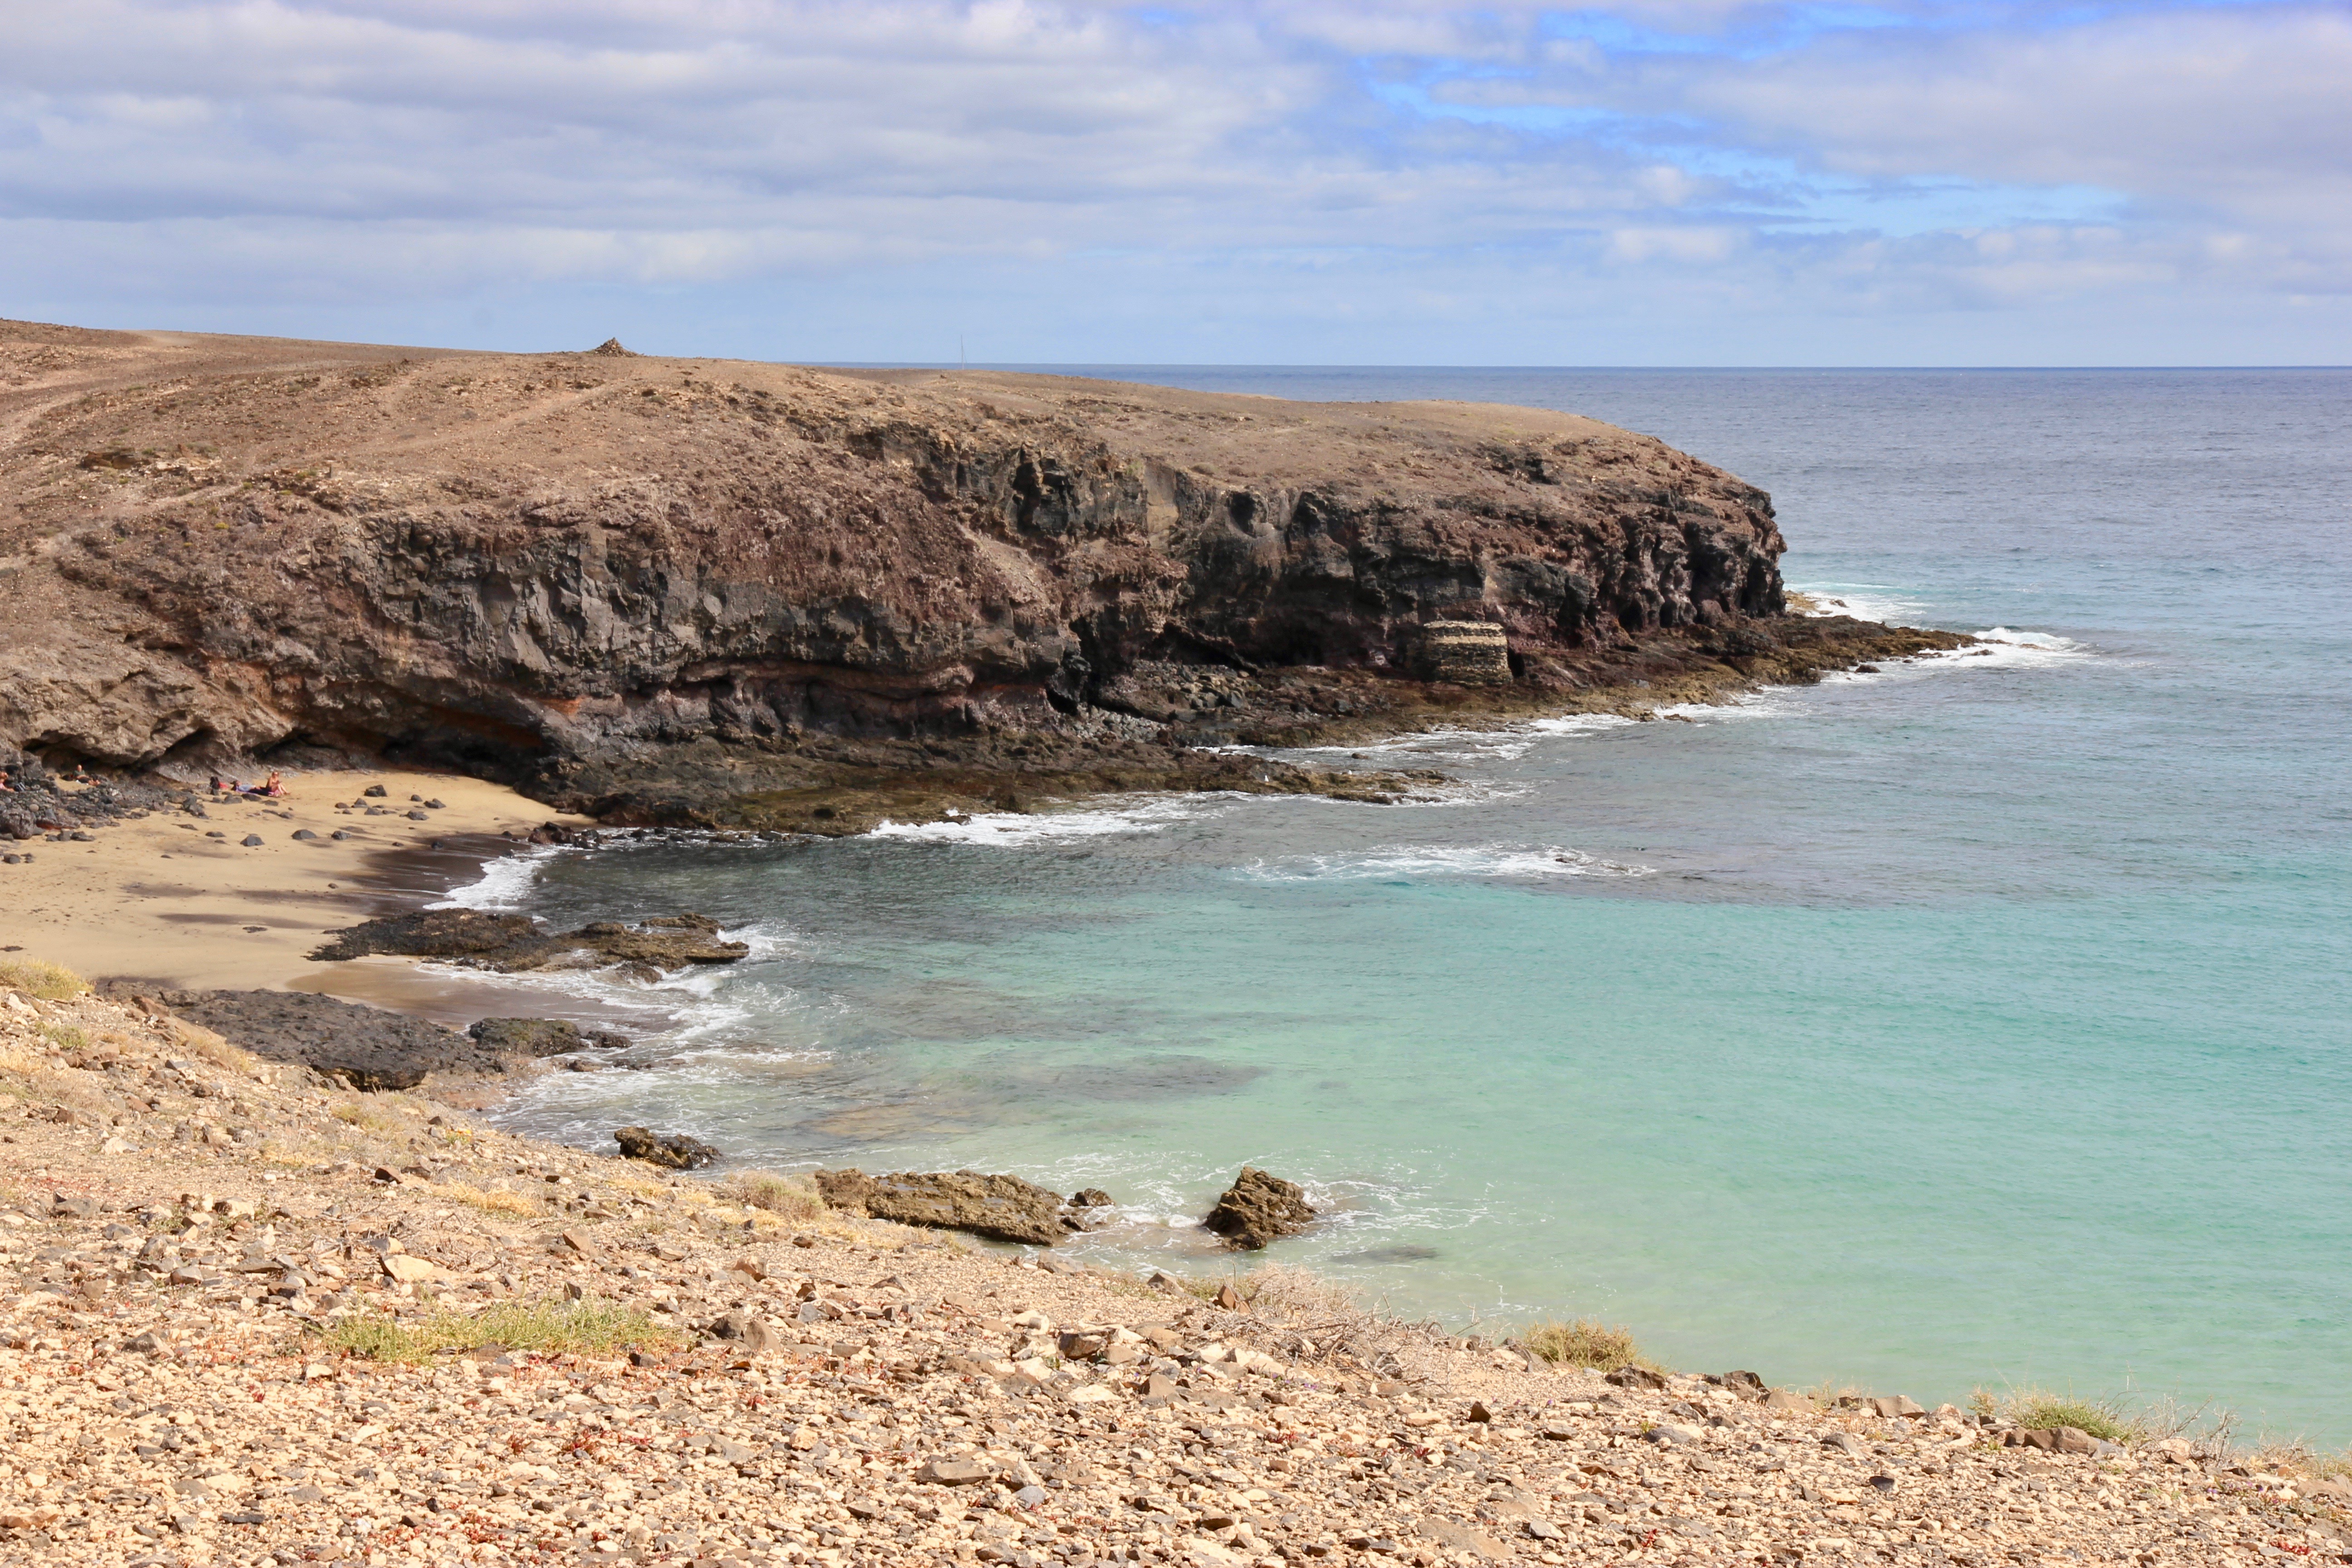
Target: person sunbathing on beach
x=276, y=786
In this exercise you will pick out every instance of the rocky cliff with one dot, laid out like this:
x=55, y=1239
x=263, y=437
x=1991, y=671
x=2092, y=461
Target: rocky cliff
x=659, y=586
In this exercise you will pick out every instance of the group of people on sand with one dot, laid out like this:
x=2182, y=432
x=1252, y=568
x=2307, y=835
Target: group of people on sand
x=8, y=785
x=273, y=786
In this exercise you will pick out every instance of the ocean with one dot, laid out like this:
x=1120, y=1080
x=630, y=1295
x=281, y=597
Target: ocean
x=1978, y=1023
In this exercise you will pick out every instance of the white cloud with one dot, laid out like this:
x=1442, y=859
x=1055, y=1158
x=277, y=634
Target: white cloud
x=1410, y=169
x=2220, y=105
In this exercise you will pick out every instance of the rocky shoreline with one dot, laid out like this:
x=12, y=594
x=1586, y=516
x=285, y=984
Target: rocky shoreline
x=249, y=1317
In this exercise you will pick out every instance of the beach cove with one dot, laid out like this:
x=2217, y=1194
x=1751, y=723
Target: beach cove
x=1963, y=1020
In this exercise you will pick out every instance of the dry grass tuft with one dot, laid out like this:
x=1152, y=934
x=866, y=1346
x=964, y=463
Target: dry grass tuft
x=596, y=1327
x=788, y=1197
x=491, y=1200
x=355, y=1115
x=1584, y=1342
x=199, y=1041
x=38, y=978
x=1285, y=1294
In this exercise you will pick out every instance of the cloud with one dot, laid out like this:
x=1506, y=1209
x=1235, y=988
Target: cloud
x=2221, y=106
x=1444, y=174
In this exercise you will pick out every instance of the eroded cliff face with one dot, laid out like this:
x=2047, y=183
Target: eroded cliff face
x=536, y=564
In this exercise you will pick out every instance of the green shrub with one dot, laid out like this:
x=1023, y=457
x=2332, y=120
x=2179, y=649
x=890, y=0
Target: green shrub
x=2037, y=1409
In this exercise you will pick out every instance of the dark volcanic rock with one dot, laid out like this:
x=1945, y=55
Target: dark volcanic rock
x=1002, y=1208
x=510, y=943
x=675, y=1150
x=1259, y=1208
x=541, y=1037
x=365, y=1047
x=433, y=933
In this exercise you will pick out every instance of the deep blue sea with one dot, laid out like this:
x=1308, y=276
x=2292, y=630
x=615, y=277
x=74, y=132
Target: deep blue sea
x=1981, y=1023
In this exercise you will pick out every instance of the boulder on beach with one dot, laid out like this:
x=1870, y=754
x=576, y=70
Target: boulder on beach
x=1002, y=1208
x=1258, y=1209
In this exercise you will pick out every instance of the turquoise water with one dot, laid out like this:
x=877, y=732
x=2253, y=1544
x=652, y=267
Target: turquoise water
x=1981, y=1022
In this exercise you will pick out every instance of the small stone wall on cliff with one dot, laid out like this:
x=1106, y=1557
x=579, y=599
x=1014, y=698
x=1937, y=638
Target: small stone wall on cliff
x=1470, y=653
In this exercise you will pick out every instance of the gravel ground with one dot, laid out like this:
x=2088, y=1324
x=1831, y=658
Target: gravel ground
x=185, y=1228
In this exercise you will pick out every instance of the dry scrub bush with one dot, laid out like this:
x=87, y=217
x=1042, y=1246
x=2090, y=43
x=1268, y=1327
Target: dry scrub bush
x=788, y=1197
x=199, y=1041
x=598, y=1327
x=2039, y=1409
x=38, y=978
x=1584, y=1342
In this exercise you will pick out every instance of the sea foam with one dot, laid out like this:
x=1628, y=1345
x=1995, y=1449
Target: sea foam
x=1414, y=862
x=505, y=883
x=1014, y=830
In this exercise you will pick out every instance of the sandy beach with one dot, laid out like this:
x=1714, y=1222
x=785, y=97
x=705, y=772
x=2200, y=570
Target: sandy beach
x=162, y=901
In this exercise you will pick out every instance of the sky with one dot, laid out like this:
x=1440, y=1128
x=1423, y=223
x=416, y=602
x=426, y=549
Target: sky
x=1648, y=182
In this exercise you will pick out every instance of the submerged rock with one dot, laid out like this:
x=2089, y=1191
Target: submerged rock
x=510, y=943
x=676, y=1150
x=1003, y=1208
x=1259, y=1208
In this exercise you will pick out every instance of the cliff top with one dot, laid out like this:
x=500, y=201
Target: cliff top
x=247, y=405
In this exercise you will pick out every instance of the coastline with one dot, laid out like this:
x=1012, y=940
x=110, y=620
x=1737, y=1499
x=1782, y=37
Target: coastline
x=171, y=901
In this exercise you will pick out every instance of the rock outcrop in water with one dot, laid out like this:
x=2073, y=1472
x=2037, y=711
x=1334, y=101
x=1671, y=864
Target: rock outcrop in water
x=672, y=1150
x=1258, y=1210
x=512, y=943
x=696, y=591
